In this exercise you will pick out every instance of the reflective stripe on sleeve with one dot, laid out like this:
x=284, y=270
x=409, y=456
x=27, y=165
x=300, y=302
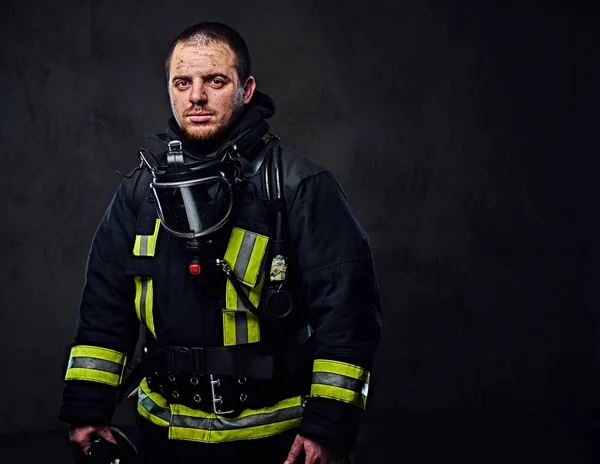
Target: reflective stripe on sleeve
x=340, y=381
x=145, y=245
x=96, y=364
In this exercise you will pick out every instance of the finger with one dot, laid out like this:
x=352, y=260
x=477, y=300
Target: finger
x=84, y=442
x=105, y=433
x=295, y=451
x=81, y=437
x=313, y=454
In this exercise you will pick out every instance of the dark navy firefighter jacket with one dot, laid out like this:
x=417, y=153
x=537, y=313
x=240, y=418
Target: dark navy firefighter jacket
x=330, y=274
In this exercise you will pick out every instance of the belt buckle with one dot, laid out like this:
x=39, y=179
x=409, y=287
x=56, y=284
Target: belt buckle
x=217, y=400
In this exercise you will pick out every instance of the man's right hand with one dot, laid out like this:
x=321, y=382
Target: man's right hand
x=83, y=436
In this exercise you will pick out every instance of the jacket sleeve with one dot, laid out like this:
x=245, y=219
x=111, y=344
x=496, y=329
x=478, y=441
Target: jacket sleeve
x=333, y=256
x=107, y=326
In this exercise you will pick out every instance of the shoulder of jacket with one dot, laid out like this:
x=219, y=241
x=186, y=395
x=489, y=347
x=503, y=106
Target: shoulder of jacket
x=135, y=184
x=296, y=168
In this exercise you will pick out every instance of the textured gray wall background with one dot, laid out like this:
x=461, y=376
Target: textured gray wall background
x=462, y=135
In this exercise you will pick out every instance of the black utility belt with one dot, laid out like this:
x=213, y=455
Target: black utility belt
x=223, y=395
x=199, y=362
x=224, y=380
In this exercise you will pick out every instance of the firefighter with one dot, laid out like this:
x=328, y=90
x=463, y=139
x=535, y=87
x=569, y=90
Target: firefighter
x=251, y=278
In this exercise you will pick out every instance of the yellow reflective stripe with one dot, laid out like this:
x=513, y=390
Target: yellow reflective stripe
x=229, y=327
x=97, y=352
x=153, y=406
x=145, y=245
x=181, y=410
x=138, y=296
x=342, y=368
x=96, y=364
x=239, y=324
x=207, y=427
x=339, y=394
x=223, y=436
x=256, y=259
x=153, y=238
x=245, y=254
x=231, y=296
x=233, y=247
x=340, y=381
x=196, y=425
x=149, y=305
x=93, y=375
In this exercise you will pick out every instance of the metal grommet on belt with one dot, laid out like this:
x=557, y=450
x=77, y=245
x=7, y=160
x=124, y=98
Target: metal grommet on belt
x=194, y=380
x=197, y=398
x=171, y=378
x=243, y=397
x=242, y=380
x=175, y=394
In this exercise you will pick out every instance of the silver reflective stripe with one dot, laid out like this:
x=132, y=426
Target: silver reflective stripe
x=243, y=258
x=337, y=380
x=82, y=362
x=152, y=407
x=241, y=327
x=241, y=319
x=220, y=423
x=143, y=245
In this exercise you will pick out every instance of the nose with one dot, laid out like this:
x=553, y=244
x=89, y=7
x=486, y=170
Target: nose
x=198, y=93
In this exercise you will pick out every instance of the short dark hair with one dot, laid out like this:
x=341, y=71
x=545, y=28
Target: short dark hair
x=208, y=32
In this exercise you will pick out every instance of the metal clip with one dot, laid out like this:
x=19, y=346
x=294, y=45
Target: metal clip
x=224, y=265
x=174, y=145
x=216, y=400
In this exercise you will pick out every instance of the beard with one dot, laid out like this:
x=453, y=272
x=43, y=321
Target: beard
x=218, y=128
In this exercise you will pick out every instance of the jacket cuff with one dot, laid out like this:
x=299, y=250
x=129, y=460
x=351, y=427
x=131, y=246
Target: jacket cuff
x=333, y=424
x=87, y=403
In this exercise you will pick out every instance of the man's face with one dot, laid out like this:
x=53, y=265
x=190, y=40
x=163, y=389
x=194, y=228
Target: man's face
x=204, y=89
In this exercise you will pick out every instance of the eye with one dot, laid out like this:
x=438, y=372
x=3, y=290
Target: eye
x=180, y=84
x=217, y=82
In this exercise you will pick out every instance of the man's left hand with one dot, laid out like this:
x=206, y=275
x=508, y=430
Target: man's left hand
x=313, y=452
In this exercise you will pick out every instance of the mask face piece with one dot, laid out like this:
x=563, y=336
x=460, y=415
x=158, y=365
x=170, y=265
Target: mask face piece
x=192, y=199
x=193, y=208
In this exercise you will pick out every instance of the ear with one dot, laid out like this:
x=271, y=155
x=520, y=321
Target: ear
x=249, y=88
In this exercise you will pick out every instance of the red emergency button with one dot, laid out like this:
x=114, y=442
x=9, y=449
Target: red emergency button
x=195, y=269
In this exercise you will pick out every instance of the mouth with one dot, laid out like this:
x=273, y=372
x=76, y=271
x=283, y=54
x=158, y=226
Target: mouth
x=199, y=117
